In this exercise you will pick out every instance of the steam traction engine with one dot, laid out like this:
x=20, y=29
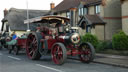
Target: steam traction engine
x=54, y=35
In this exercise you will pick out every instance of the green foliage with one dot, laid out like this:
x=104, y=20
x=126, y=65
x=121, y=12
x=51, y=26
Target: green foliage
x=103, y=45
x=90, y=38
x=120, y=41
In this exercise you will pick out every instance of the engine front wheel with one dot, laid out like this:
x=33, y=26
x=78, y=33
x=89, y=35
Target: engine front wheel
x=59, y=53
x=87, y=52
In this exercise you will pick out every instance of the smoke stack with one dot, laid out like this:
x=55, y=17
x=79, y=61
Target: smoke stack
x=73, y=16
x=52, y=5
x=5, y=12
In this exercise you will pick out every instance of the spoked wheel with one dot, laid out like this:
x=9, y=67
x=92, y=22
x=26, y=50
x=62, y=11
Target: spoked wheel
x=32, y=46
x=59, y=54
x=16, y=50
x=87, y=52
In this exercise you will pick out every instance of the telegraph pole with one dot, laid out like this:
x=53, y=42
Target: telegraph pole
x=28, y=29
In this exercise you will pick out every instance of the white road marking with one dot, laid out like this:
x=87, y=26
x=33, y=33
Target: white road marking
x=14, y=58
x=49, y=68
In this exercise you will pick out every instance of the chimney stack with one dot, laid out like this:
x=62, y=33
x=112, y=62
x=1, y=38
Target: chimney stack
x=52, y=5
x=5, y=12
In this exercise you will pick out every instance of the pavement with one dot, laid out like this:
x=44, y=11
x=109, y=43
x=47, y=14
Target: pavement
x=108, y=59
x=115, y=60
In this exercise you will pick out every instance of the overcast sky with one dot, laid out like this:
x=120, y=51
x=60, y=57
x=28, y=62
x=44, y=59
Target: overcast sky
x=21, y=4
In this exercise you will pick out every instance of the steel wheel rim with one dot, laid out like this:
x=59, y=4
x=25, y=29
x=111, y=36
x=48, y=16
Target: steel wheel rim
x=57, y=54
x=31, y=45
x=85, y=53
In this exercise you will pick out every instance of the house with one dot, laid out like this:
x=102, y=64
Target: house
x=124, y=4
x=14, y=20
x=93, y=24
x=107, y=11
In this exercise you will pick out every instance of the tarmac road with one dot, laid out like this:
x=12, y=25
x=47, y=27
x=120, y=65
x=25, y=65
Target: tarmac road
x=20, y=63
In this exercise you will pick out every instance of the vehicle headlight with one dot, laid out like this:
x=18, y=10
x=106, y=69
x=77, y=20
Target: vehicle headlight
x=75, y=38
x=67, y=29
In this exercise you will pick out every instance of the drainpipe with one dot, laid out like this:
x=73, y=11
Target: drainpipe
x=73, y=17
x=104, y=33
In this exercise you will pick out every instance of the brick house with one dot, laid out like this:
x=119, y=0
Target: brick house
x=107, y=11
x=14, y=20
x=124, y=15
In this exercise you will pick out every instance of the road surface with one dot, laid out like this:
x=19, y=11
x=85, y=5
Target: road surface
x=21, y=63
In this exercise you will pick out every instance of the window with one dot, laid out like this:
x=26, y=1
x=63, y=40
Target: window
x=79, y=12
x=68, y=14
x=83, y=11
x=97, y=8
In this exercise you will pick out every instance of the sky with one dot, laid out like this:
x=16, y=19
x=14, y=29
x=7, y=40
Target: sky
x=22, y=4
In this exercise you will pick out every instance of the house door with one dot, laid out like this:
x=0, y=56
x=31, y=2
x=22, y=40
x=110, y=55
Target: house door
x=88, y=29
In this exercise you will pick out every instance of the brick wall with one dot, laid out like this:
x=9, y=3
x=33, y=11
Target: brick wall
x=112, y=17
x=125, y=16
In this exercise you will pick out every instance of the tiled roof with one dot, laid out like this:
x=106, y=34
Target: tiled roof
x=67, y=4
x=91, y=20
x=95, y=19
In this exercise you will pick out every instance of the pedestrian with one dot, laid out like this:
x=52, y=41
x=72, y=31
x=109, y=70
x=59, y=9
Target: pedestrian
x=14, y=36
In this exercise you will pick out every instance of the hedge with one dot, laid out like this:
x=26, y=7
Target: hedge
x=120, y=41
x=88, y=37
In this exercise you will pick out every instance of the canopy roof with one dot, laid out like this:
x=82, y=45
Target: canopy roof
x=45, y=19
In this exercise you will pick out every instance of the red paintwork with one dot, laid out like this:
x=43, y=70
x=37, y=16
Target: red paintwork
x=85, y=54
x=50, y=43
x=21, y=42
x=57, y=54
x=31, y=47
x=73, y=52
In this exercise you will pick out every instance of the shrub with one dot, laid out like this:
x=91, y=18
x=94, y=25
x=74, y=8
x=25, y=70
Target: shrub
x=120, y=41
x=90, y=38
x=103, y=45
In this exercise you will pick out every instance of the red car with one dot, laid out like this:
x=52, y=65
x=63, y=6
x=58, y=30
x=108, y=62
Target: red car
x=54, y=35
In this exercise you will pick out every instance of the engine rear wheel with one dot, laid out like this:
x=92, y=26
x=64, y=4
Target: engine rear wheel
x=87, y=52
x=32, y=46
x=59, y=54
